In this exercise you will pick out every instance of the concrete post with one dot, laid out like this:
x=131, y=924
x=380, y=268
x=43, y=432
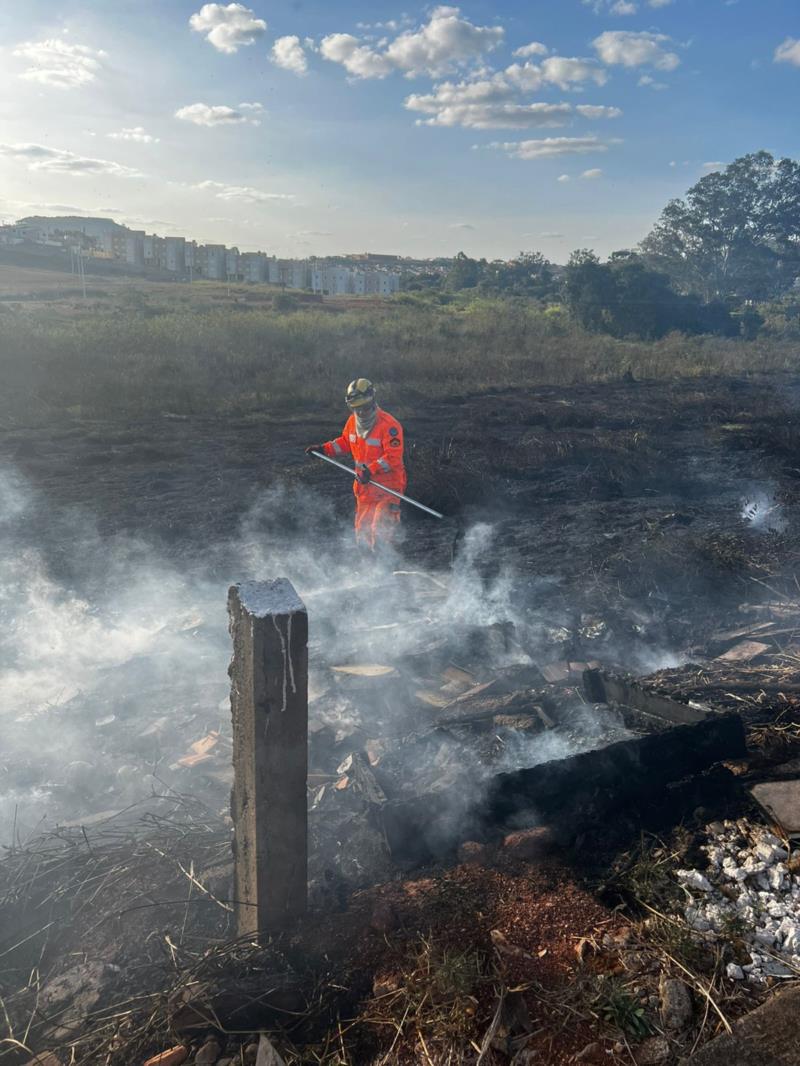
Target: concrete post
x=269, y=704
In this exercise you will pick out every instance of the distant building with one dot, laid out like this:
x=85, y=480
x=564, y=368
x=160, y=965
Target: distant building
x=254, y=267
x=338, y=280
x=134, y=249
x=232, y=264
x=299, y=274
x=362, y=274
x=175, y=254
x=215, y=262
x=11, y=235
x=374, y=258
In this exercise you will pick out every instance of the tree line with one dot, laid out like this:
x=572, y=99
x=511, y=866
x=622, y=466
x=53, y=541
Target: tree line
x=733, y=241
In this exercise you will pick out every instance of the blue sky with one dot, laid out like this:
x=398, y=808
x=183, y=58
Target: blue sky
x=307, y=127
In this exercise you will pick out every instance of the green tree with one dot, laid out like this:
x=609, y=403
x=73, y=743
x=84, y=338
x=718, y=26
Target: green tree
x=589, y=291
x=737, y=233
x=530, y=274
x=625, y=298
x=465, y=273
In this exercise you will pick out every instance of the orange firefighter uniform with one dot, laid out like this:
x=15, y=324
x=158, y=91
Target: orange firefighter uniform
x=380, y=450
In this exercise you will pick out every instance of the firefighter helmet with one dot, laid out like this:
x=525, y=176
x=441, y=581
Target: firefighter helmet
x=360, y=393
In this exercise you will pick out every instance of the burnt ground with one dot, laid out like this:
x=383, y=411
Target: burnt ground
x=640, y=517
x=629, y=492
x=570, y=476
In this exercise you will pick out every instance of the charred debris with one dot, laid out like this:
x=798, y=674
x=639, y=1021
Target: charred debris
x=469, y=747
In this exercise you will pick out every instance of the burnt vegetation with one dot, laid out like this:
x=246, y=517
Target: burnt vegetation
x=625, y=445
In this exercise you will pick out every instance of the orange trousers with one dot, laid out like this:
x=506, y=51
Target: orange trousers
x=377, y=519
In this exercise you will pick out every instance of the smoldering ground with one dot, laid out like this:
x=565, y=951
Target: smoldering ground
x=114, y=660
x=114, y=643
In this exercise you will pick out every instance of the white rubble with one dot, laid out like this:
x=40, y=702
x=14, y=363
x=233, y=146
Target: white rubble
x=748, y=892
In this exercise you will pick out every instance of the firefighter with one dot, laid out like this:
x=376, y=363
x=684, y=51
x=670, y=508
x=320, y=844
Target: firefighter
x=374, y=440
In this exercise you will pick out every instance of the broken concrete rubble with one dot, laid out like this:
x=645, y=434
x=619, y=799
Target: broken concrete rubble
x=748, y=888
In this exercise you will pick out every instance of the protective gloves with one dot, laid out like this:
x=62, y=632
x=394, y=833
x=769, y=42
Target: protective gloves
x=363, y=475
x=315, y=448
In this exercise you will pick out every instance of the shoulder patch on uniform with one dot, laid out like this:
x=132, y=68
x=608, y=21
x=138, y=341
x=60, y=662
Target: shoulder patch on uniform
x=393, y=431
x=394, y=443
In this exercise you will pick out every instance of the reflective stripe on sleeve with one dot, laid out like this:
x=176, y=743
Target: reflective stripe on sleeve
x=337, y=448
x=384, y=466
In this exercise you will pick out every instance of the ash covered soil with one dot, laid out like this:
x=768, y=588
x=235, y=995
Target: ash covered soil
x=566, y=474
x=624, y=524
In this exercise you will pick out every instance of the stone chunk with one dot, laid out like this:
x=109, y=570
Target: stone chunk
x=767, y=1036
x=208, y=1053
x=694, y=879
x=529, y=844
x=473, y=853
x=781, y=801
x=676, y=1003
x=173, y=1057
x=267, y=1055
x=653, y=1051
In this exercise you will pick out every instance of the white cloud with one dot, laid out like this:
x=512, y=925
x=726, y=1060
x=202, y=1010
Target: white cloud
x=221, y=114
x=592, y=175
x=788, y=52
x=287, y=52
x=563, y=178
x=658, y=3
x=357, y=58
x=566, y=72
x=244, y=193
x=484, y=105
x=623, y=7
x=61, y=161
x=489, y=103
x=133, y=133
x=552, y=146
x=443, y=44
x=551, y=236
x=535, y=48
x=461, y=225
x=526, y=77
x=447, y=40
x=627, y=49
x=598, y=111
x=228, y=28
x=59, y=64
x=646, y=82
x=714, y=166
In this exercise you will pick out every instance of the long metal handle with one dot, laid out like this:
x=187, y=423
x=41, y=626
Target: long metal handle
x=377, y=484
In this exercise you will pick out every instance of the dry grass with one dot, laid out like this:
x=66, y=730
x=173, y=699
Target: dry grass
x=135, y=353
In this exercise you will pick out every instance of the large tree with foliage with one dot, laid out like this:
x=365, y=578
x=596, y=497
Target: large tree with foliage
x=626, y=298
x=530, y=274
x=737, y=233
x=465, y=273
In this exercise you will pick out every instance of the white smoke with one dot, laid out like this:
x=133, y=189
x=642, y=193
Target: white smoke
x=761, y=511
x=104, y=642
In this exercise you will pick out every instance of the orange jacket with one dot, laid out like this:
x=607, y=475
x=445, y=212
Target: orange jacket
x=381, y=451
